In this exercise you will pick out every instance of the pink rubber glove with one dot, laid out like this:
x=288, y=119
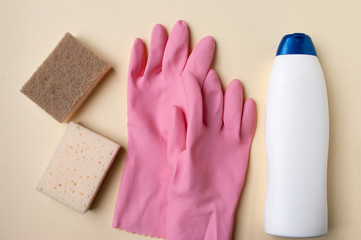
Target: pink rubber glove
x=208, y=158
x=153, y=87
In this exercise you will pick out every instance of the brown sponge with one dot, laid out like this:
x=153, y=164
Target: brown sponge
x=65, y=79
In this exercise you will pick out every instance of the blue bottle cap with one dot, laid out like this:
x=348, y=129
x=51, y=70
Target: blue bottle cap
x=296, y=43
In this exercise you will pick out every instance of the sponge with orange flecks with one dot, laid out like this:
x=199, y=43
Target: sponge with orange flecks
x=65, y=79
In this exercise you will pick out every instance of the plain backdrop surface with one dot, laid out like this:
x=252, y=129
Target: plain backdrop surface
x=247, y=34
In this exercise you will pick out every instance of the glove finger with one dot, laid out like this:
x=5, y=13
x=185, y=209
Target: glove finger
x=176, y=50
x=137, y=60
x=213, y=100
x=200, y=59
x=158, y=42
x=249, y=120
x=248, y=127
x=233, y=103
x=194, y=113
x=176, y=136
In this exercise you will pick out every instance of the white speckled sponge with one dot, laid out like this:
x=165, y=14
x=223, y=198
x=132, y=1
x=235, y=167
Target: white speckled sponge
x=78, y=167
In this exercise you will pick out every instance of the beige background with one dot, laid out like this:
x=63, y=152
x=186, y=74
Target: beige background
x=247, y=34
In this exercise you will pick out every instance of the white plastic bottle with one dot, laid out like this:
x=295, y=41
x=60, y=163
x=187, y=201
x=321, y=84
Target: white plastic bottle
x=296, y=138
